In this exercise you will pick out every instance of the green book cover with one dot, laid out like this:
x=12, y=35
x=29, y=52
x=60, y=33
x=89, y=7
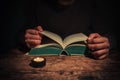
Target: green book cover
x=74, y=44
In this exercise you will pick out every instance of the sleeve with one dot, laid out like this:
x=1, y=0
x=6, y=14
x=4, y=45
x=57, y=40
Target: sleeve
x=29, y=22
x=102, y=23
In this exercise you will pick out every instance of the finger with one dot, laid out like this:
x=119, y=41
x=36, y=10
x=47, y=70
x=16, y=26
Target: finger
x=35, y=37
x=101, y=52
x=92, y=36
x=32, y=31
x=103, y=56
x=33, y=42
x=30, y=46
x=98, y=46
x=39, y=28
x=100, y=40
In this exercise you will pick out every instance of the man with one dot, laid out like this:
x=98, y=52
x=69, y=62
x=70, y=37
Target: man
x=66, y=17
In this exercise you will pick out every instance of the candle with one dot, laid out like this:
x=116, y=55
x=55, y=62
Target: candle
x=38, y=59
x=38, y=62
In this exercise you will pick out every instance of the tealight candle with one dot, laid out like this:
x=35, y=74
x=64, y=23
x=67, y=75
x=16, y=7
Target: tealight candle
x=38, y=62
x=38, y=59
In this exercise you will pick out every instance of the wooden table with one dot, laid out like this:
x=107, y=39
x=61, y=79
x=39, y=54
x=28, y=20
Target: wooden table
x=15, y=66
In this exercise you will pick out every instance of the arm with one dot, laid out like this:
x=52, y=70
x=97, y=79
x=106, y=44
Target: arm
x=103, y=39
x=27, y=38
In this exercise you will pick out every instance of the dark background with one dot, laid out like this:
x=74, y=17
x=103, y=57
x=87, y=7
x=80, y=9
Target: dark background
x=13, y=18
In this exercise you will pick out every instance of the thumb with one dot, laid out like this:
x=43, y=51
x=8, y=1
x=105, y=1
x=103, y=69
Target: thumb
x=39, y=28
x=92, y=36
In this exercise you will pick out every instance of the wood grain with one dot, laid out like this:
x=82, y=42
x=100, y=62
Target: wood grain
x=15, y=66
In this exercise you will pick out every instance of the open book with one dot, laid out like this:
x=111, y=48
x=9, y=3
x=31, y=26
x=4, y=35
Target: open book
x=74, y=44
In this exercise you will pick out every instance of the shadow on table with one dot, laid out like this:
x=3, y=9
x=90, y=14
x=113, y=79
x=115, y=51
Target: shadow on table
x=88, y=78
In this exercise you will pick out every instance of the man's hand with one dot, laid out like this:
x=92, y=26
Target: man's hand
x=33, y=37
x=99, y=45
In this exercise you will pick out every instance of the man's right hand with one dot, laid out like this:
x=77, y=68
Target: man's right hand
x=33, y=37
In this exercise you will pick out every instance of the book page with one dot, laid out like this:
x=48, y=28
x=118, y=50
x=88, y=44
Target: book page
x=53, y=36
x=75, y=38
x=47, y=45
